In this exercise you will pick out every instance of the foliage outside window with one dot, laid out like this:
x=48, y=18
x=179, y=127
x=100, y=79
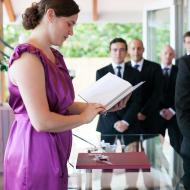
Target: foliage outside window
x=89, y=40
x=163, y=38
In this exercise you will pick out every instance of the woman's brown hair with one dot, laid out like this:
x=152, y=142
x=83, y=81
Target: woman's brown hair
x=34, y=14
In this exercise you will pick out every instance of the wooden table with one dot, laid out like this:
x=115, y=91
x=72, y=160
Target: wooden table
x=131, y=161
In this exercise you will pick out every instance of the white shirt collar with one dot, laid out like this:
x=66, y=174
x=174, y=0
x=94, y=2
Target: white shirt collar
x=122, y=65
x=166, y=66
x=116, y=64
x=140, y=63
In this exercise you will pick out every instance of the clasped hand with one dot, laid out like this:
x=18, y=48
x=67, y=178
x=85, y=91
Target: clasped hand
x=121, y=126
x=166, y=114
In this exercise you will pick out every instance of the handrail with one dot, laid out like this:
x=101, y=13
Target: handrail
x=6, y=44
x=4, y=54
x=85, y=140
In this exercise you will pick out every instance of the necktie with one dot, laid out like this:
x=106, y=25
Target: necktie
x=136, y=66
x=119, y=71
x=166, y=72
x=166, y=79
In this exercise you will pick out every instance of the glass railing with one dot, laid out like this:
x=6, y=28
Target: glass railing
x=163, y=173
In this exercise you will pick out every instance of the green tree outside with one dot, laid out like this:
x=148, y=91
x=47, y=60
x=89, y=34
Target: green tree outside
x=89, y=40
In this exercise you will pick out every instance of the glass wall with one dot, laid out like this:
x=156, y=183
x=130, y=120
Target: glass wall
x=185, y=16
x=164, y=23
x=159, y=32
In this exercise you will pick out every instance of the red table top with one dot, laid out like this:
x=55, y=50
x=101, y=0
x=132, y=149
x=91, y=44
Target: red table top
x=131, y=161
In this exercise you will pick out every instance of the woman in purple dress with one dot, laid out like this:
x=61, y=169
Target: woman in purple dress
x=42, y=98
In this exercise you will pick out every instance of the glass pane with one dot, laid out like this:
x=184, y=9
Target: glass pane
x=185, y=16
x=158, y=32
x=119, y=161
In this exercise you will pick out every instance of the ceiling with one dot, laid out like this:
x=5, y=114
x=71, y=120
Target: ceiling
x=93, y=10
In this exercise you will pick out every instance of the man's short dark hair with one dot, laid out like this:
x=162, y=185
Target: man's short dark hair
x=187, y=34
x=118, y=40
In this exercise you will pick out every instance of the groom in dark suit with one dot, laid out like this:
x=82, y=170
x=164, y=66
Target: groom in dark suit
x=182, y=102
x=151, y=73
x=125, y=120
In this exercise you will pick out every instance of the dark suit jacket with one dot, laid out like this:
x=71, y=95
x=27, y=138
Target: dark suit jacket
x=152, y=89
x=169, y=102
x=182, y=101
x=106, y=123
x=178, y=59
x=169, y=90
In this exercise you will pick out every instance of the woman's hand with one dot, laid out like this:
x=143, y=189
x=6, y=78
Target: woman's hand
x=122, y=104
x=91, y=111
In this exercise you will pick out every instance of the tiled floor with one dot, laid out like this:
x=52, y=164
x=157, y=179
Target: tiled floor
x=117, y=182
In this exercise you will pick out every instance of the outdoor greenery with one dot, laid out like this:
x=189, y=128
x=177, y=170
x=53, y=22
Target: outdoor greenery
x=92, y=40
x=163, y=38
x=89, y=40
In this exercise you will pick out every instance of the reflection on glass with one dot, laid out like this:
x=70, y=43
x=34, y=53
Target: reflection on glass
x=185, y=17
x=159, y=32
x=165, y=169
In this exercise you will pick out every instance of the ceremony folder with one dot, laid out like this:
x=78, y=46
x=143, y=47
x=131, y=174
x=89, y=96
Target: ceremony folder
x=130, y=161
x=108, y=90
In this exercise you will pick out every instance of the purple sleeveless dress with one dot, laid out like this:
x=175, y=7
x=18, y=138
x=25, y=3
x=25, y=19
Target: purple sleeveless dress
x=38, y=160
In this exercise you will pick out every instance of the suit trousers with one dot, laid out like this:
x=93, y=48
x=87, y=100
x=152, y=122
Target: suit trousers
x=185, y=152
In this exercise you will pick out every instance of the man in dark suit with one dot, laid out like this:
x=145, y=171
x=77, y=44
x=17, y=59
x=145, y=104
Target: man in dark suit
x=182, y=102
x=186, y=45
x=151, y=73
x=167, y=115
x=123, y=121
x=186, y=42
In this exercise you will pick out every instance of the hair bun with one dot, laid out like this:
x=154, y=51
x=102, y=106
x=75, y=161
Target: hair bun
x=31, y=17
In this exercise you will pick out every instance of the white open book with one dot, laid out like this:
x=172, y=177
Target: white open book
x=108, y=90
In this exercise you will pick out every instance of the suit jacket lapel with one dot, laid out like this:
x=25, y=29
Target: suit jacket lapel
x=110, y=69
x=129, y=63
x=144, y=66
x=126, y=74
x=172, y=74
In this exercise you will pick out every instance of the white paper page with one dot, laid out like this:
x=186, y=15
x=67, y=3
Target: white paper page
x=127, y=92
x=105, y=89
